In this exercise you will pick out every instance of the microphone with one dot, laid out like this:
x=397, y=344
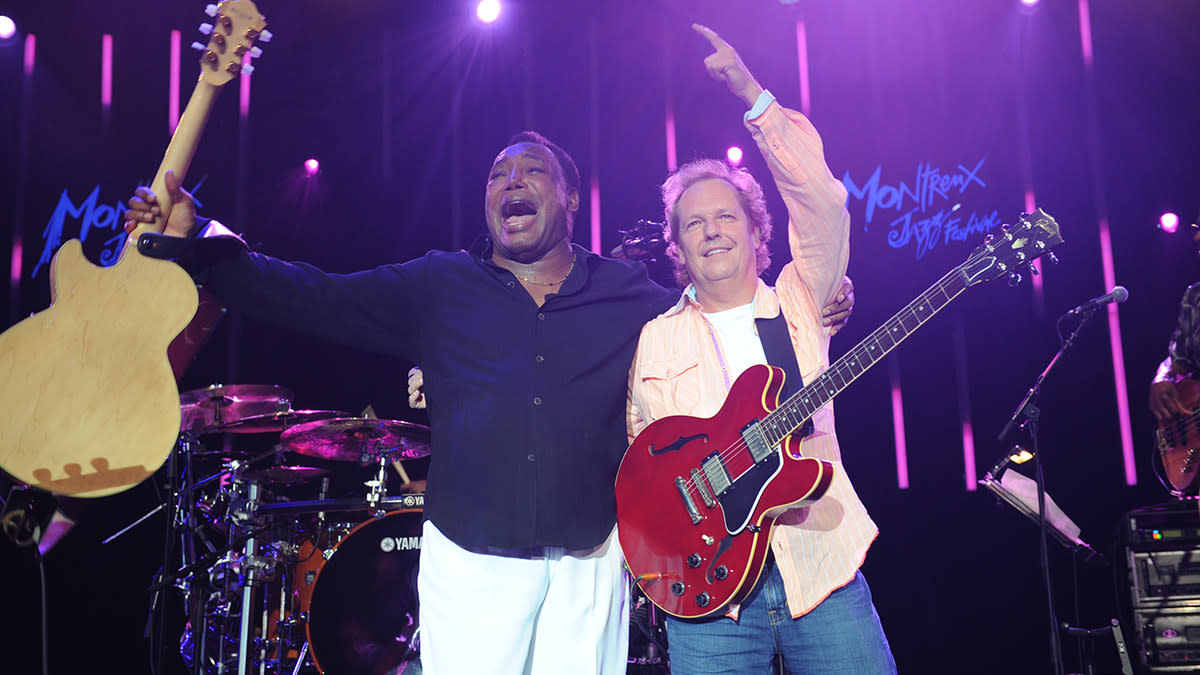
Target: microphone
x=1118, y=295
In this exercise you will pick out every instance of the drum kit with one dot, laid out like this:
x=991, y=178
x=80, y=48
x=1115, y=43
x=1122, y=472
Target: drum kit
x=277, y=575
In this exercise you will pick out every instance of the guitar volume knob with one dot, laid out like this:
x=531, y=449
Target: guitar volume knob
x=721, y=573
x=702, y=600
x=678, y=588
x=694, y=560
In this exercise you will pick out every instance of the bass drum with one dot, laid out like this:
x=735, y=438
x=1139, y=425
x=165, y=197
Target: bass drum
x=363, y=613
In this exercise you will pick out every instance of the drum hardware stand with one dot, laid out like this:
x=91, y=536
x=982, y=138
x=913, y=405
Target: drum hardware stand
x=1026, y=415
x=378, y=485
x=300, y=658
x=1084, y=634
x=250, y=572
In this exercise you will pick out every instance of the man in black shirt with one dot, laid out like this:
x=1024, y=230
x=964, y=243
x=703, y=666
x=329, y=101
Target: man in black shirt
x=526, y=341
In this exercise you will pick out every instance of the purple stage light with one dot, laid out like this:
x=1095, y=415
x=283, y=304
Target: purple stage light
x=8, y=27
x=734, y=155
x=488, y=10
x=1168, y=222
x=311, y=166
x=1029, y=3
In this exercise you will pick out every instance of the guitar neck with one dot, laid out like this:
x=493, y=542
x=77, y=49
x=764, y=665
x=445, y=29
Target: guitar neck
x=799, y=407
x=180, y=151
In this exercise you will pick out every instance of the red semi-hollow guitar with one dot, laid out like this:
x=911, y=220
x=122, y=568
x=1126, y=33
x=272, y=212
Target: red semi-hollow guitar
x=696, y=498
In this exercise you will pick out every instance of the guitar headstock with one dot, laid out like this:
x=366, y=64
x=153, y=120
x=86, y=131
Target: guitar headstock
x=236, y=26
x=1017, y=246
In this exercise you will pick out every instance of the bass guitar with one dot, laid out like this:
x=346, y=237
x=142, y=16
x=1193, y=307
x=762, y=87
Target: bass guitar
x=696, y=498
x=89, y=402
x=1178, y=441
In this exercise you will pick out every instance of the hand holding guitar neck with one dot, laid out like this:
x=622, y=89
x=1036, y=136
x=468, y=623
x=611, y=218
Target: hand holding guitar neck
x=144, y=208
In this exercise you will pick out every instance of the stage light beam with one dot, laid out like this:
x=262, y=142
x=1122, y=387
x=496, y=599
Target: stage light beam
x=311, y=167
x=734, y=155
x=488, y=10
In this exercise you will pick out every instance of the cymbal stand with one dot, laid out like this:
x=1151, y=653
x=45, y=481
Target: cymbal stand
x=251, y=577
x=378, y=485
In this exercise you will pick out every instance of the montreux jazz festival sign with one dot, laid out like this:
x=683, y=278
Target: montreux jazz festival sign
x=95, y=220
x=922, y=215
x=926, y=213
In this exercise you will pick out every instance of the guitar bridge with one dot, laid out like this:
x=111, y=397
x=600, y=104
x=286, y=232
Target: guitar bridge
x=688, y=502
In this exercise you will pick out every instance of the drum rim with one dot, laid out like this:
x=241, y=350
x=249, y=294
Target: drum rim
x=312, y=650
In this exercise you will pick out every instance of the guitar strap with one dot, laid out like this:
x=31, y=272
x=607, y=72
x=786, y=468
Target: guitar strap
x=777, y=345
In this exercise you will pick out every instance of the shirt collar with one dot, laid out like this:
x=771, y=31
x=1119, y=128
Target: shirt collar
x=766, y=302
x=481, y=249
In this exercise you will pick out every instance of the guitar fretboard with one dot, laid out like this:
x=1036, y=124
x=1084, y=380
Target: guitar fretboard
x=799, y=407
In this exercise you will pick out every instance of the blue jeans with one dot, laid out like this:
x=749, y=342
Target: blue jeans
x=841, y=636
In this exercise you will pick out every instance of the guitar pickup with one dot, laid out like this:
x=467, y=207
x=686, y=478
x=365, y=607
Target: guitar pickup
x=714, y=471
x=702, y=488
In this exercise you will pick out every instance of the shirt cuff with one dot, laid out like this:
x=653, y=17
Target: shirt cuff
x=760, y=106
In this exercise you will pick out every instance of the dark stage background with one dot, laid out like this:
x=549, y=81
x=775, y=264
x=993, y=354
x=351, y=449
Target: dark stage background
x=406, y=102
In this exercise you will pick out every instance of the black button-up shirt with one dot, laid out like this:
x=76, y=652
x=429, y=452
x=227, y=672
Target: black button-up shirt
x=526, y=404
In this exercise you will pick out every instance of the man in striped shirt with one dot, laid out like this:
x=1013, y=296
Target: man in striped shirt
x=811, y=603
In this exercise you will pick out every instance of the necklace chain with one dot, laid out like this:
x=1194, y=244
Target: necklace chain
x=551, y=283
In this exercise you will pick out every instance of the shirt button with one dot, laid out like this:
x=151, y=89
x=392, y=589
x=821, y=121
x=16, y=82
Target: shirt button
x=529, y=457
x=537, y=400
x=541, y=316
x=539, y=358
x=510, y=284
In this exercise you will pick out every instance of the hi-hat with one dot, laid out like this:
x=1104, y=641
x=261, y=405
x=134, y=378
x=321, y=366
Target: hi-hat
x=205, y=410
x=262, y=424
x=284, y=475
x=357, y=439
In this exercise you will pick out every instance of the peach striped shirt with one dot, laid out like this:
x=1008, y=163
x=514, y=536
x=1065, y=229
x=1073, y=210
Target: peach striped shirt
x=679, y=368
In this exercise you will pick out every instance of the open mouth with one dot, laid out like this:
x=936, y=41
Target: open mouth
x=517, y=208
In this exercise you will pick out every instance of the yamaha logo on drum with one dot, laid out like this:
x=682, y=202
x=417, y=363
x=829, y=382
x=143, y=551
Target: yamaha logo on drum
x=389, y=544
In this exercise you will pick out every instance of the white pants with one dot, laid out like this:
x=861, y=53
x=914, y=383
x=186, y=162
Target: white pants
x=561, y=612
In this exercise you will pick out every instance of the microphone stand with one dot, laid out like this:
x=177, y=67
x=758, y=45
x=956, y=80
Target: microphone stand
x=1026, y=416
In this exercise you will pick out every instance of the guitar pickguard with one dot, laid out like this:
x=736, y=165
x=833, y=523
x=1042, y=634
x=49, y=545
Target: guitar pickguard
x=739, y=501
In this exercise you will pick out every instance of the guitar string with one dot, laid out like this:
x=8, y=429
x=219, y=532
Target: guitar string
x=941, y=285
x=740, y=446
x=1183, y=425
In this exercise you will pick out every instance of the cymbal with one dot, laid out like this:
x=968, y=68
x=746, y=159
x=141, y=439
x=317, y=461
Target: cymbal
x=357, y=439
x=204, y=410
x=279, y=421
x=284, y=475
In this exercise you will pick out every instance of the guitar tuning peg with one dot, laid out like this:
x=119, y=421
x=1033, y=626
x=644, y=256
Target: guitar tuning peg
x=265, y=36
x=1033, y=270
x=206, y=29
x=211, y=10
x=199, y=47
x=1052, y=258
x=247, y=69
x=1014, y=279
x=255, y=52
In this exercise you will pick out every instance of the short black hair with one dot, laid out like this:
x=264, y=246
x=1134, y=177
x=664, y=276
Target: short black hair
x=570, y=171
